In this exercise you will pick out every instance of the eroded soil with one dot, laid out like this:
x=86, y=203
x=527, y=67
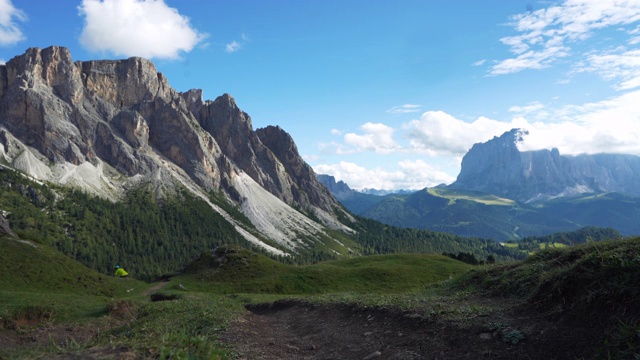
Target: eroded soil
x=290, y=330
x=294, y=330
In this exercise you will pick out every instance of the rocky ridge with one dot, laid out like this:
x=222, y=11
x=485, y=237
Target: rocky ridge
x=499, y=167
x=105, y=126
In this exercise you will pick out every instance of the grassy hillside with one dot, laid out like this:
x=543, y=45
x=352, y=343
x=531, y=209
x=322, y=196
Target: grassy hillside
x=28, y=266
x=594, y=286
x=236, y=270
x=475, y=214
x=465, y=214
x=604, y=210
x=453, y=195
x=39, y=284
x=151, y=236
x=576, y=301
x=51, y=304
x=578, y=278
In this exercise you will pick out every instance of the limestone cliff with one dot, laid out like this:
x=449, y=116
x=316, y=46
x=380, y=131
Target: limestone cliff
x=498, y=167
x=108, y=125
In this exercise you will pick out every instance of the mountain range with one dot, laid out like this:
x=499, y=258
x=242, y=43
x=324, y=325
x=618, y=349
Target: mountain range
x=103, y=163
x=503, y=193
x=499, y=167
x=109, y=126
x=118, y=164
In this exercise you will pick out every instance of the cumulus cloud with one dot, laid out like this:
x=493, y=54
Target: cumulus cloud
x=437, y=133
x=404, y=109
x=610, y=126
x=10, y=32
x=410, y=174
x=146, y=28
x=375, y=137
x=546, y=35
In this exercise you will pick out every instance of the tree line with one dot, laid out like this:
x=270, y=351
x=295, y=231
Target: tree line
x=152, y=236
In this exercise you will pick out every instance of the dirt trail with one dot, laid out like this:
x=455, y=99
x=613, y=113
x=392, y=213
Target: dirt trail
x=291, y=330
x=155, y=288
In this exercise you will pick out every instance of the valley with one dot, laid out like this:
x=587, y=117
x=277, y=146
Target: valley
x=236, y=249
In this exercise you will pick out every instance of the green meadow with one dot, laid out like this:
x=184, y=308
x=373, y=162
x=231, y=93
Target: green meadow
x=44, y=292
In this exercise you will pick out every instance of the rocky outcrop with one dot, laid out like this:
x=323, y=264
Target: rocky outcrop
x=5, y=228
x=308, y=189
x=498, y=167
x=119, y=123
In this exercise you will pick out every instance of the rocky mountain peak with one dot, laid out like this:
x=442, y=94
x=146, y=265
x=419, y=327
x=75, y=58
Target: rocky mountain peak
x=106, y=125
x=124, y=83
x=498, y=167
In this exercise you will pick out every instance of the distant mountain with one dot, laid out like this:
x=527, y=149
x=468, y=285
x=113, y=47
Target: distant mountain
x=355, y=201
x=341, y=190
x=466, y=214
x=384, y=192
x=477, y=214
x=498, y=167
x=502, y=193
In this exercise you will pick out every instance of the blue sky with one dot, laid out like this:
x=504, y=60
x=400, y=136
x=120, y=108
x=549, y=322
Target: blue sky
x=386, y=94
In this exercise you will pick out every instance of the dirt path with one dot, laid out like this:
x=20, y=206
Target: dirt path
x=155, y=288
x=290, y=330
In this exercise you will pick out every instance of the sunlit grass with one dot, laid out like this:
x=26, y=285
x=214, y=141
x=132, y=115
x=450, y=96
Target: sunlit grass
x=246, y=272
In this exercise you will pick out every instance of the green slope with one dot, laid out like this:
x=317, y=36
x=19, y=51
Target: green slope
x=604, y=210
x=475, y=214
x=27, y=266
x=236, y=270
x=466, y=214
x=581, y=278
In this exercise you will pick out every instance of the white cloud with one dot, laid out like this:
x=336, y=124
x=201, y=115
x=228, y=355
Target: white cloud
x=232, y=47
x=437, y=133
x=376, y=137
x=418, y=175
x=10, y=32
x=530, y=60
x=609, y=126
x=336, y=132
x=479, y=62
x=617, y=64
x=410, y=175
x=237, y=45
x=404, y=109
x=146, y=28
x=545, y=34
x=529, y=108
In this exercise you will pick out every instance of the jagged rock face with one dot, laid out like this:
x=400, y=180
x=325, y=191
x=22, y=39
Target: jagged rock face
x=339, y=189
x=59, y=116
x=498, y=167
x=116, y=111
x=269, y=156
x=308, y=189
